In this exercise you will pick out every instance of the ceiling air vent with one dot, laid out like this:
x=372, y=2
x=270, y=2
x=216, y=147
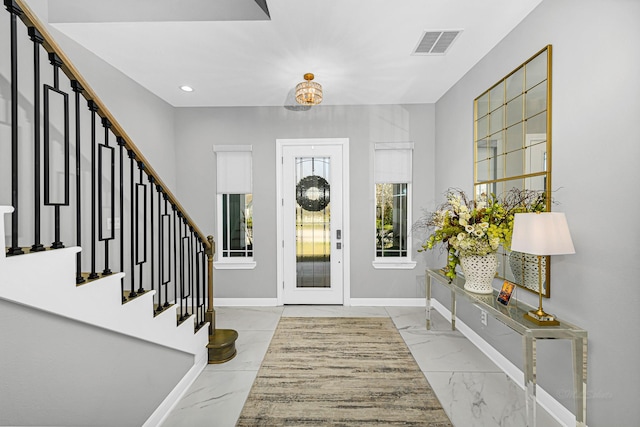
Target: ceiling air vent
x=436, y=42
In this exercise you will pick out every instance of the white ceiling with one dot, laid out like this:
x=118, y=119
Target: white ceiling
x=234, y=55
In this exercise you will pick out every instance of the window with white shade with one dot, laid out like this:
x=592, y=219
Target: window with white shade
x=234, y=219
x=393, y=176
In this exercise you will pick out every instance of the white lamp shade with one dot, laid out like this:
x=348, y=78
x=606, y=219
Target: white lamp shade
x=545, y=233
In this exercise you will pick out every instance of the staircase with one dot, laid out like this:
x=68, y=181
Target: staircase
x=46, y=281
x=126, y=257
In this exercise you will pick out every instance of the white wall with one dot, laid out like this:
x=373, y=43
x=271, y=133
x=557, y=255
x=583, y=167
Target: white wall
x=596, y=64
x=201, y=128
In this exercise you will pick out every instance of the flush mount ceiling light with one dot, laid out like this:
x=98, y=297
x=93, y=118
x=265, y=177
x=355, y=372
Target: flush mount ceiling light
x=186, y=88
x=308, y=92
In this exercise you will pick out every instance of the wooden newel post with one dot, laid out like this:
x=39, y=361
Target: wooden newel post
x=222, y=342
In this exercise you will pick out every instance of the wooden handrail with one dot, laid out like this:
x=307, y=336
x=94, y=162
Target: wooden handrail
x=31, y=20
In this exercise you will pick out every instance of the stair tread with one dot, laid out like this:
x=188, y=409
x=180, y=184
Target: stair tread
x=157, y=312
x=87, y=280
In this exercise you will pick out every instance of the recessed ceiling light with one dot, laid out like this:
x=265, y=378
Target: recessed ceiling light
x=186, y=88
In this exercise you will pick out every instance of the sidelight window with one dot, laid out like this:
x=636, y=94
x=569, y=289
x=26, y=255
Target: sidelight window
x=391, y=220
x=393, y=176
x=234, y=219
x=237, y=226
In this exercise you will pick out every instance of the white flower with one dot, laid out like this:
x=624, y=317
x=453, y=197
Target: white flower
x=468, y=228
x=495, y=243
x=439, y=218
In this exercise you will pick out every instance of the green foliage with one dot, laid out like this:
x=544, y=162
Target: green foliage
x=477, y=227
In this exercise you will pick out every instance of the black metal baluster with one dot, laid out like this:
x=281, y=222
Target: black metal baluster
x=152, y=180
x=181, y=267
x=77, y=89
x=191, y=255
x=56, y=62
x=167, y=243
x=141, y=189
x=201, y=282
x=93, y=107
x=106, y=150
x=197, y=281
x=15, y=11
x=160, y=249
x=121, y=143
x=133, y=293
x=203, y=285
x=184, y=246
x=175, y=256
x=37, y=40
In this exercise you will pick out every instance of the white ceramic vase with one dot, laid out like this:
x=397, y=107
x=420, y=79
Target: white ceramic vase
x=479, y=271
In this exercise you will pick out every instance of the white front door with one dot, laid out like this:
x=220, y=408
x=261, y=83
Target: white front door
x=312, y=223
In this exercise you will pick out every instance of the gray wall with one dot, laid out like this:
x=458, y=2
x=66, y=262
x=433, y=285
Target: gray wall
x=147, y=119
x=58, y=372
x=201, y=128
x=596, y=64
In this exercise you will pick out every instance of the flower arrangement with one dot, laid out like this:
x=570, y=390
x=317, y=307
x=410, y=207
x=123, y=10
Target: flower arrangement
x=476, y=227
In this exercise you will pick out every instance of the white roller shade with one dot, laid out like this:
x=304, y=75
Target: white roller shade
x=233, y=171
x=393, y=162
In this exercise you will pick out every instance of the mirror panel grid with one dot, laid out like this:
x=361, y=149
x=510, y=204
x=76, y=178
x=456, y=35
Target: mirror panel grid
x=512, y=149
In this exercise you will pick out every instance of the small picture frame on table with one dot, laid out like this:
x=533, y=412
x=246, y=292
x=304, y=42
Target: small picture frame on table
x=505, y=293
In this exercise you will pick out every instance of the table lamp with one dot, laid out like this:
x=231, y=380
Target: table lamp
x=541, y=234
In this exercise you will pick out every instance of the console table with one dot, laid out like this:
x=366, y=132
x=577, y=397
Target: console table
x=512, y=316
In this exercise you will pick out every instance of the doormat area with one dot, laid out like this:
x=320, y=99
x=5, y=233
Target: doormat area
x=340, y=371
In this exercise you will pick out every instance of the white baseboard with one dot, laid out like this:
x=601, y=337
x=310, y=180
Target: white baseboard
x=551, y=405
x=162, y=412
x=354, y=302
x=388, y=302
x=245, y=302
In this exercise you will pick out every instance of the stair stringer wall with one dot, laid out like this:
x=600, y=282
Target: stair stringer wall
x=58, y=371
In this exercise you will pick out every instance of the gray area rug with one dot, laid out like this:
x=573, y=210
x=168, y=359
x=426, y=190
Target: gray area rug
x=340, y=372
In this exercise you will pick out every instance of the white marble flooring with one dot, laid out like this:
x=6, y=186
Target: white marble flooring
x=472, y=389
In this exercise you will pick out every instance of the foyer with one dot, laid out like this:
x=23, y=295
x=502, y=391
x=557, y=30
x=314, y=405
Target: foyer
x=472, y=389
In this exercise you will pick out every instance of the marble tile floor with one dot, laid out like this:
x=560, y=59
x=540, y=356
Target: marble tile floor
x=472, y=389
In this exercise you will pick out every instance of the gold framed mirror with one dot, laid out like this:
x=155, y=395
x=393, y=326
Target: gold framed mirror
x=512, y=149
